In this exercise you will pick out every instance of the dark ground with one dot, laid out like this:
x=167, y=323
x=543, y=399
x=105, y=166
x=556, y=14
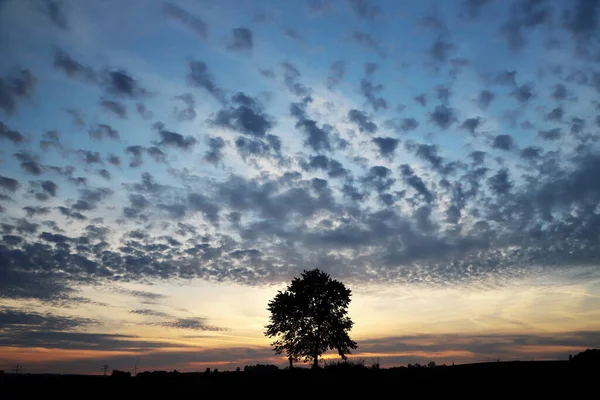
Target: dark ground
x=488, y=380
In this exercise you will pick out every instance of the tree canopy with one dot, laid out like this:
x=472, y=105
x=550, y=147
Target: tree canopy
x=310, y=317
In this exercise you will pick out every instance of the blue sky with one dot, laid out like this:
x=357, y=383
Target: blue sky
x=439, y=157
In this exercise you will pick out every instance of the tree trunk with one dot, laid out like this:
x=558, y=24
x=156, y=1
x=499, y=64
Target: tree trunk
x=291, y=363
x=316, y=360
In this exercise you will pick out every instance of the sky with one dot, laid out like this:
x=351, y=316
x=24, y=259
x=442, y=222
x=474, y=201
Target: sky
x=167, y=167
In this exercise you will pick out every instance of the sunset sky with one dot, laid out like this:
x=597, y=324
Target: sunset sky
x=166, y=167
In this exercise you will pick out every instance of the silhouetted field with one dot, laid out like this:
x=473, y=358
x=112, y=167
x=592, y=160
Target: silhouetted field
x=482, y=379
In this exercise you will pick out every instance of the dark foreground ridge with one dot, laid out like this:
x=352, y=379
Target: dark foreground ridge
x=343, y=379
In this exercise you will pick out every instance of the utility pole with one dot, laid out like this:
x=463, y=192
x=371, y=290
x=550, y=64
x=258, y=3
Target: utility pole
x=105, y=369
x=17, y=368
x=135, y=370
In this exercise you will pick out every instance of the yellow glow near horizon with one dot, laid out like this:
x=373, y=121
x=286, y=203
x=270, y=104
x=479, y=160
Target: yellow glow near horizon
x=419, y=316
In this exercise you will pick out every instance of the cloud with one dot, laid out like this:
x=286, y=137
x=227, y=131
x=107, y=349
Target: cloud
x=245, y=116
x=556, y=114
x=49, y=187
x=141, y=294
x=55, y=10
x=484, y=346
x=471, y=124
x=485, y=98
x=10, y=134
x=188, y=113
x=292, y=80
x=90, y=157
x=242, y=40
x=51, y=139
x=507, y=77
x=175, y=139
x=136, y=153
x=149, y=312
x=280, y=174
x=386, y=145
x=29, y=162
x=214, y=154
x=72, y=68
x=333, y=167
x=9, y=184
x=33, y=211
x=174, y=210
x=337, y=70
x=560, y=92
x=441, y=50
x=432, y=23
x=104, y=173
x=582, y=22
x=249, y=147
x=143, y=111
x=473, y=8
x=523, y=93
x=523, y=16
x=503, y=142
x=15, y=87
x=157, y=154
x=409, y=124
x=67, y=212
x=500, y=183
x=442, y=116
x=365, y=9
x=14, y=320
x=196, y=324
x=379, y=178
x=362, y=120
x=415, y=182
x=121, y=84
x=103, y=131
x=114, y=107
x=317, y=137
x=78, y=120
x=201, y=77
x=371, y=92
x=319, y=7
x=369, y=42
x=82, y=341
x=193, y=22
x=550, y=134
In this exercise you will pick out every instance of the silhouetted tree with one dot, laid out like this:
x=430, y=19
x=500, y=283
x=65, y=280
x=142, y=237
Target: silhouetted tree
x=310, y=317
x=120, y=374
x=588, y=357
x=261, y=369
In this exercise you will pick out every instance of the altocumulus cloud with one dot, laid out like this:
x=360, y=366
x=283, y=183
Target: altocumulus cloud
x=239, y=156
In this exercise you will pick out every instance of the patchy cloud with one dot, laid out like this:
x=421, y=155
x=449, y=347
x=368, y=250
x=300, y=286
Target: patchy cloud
x=201, y=77
x=15, y=87
x=364, y=9
x=243, y=157
x=337, y=71
x=362, y=120
x=10, y=134
x=242, y=40
x=368, y=42
x=191, y=21
x=195, y=324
